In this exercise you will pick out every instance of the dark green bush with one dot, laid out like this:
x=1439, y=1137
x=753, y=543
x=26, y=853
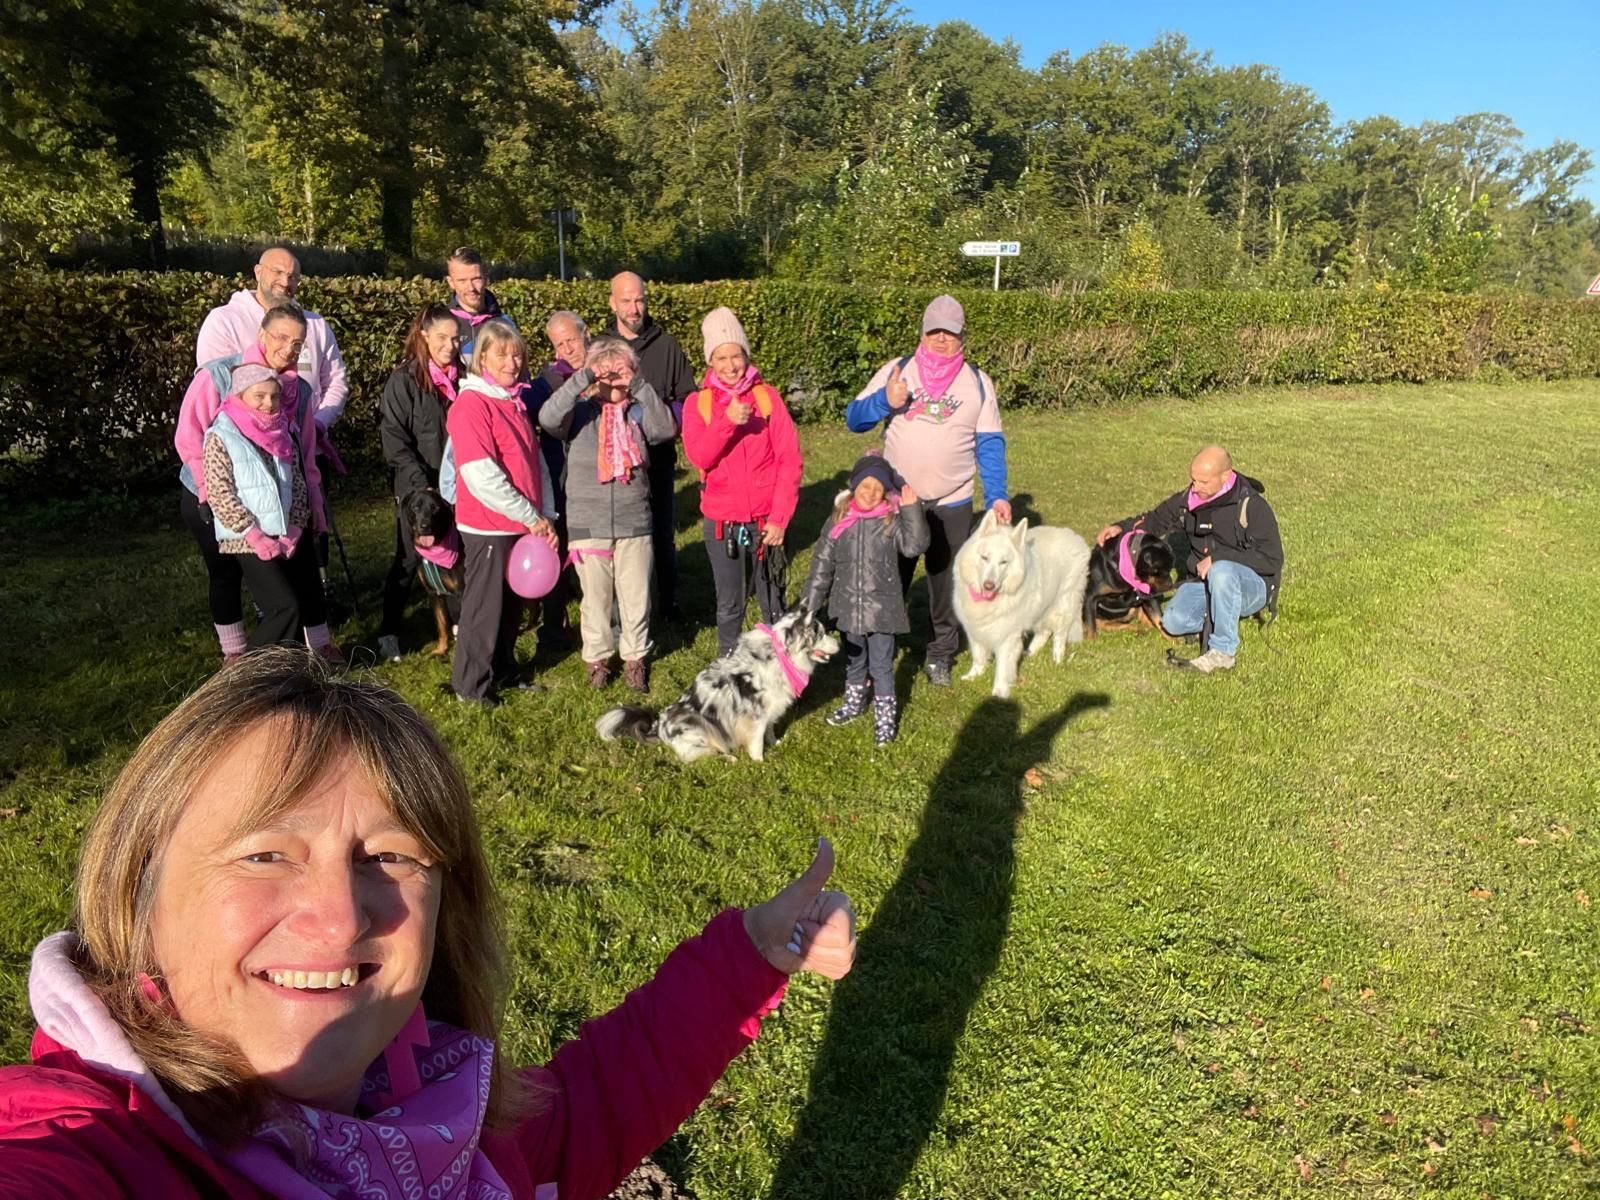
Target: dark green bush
x=91, y=377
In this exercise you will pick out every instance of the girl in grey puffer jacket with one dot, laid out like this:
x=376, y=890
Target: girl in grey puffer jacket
x=855, y=567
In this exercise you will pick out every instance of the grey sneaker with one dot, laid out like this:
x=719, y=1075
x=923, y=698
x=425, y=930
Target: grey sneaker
x=938, y=671
x=1211, y=660
x=389, y=648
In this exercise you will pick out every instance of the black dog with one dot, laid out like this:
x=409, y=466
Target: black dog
x=1110, y=599
x=433, y=524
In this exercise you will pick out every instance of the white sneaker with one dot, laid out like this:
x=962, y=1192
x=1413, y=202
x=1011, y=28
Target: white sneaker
x=389, y=647
x=1212, y=660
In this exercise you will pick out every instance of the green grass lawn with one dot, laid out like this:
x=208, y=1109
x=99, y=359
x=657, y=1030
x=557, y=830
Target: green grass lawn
x=1322, y=925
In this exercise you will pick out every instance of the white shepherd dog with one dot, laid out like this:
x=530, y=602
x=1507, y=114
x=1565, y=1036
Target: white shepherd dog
x=1013, y=581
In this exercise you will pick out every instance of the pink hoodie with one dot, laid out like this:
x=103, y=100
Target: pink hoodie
x=88, y=1119
x=234, y=326
x=199, y=409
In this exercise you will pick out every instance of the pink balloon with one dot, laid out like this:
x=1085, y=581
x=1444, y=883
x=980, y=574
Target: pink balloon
x=533, y=567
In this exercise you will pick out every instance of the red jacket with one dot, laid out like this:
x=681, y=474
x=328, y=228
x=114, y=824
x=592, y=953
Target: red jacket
x=615, y=1092
x=751, y=470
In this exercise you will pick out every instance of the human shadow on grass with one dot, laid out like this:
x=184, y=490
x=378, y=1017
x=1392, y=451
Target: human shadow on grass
x=880, y=1079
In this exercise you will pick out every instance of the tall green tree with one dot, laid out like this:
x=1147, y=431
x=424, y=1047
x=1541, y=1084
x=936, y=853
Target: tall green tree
x=108, y=77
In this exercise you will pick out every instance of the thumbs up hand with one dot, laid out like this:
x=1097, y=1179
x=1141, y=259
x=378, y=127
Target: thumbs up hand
x=898, y=390
x=803, y=927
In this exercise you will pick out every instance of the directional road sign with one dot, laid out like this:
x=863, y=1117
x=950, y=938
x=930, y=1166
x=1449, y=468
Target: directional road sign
x=991, y=249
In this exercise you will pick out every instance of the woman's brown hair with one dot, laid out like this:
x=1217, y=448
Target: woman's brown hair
x=416, y=358
x=315, y=718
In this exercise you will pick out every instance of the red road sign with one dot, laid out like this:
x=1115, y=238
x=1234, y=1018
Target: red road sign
x=1594, y=288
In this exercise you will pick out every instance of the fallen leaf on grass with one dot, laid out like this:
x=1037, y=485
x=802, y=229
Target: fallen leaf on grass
x=1301, y=1102
x=7, y=813
x=1574, y=1146
x=1388, y=1118
x=1301, y=1165
x=1251, y=1111
x=1367, y=993
x=1480, y=893
x=1327, y=982
x=1530, y=1022
x=1212, y=1068
x=1430, y=1167
x=1581, y=896
x=1033, y=778
x=1527, y=841
x=1487, y=1123
x=1435, y=1146
x=1569, y=1123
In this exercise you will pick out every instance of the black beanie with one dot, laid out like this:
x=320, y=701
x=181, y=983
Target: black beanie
x=874, y=466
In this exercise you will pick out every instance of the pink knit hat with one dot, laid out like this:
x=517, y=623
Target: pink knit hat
x=248, y=375
x=721, y=327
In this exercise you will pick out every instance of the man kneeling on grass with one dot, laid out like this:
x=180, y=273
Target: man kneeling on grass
x=1235, y=555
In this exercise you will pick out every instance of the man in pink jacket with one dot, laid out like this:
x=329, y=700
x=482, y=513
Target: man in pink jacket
x=232, y=328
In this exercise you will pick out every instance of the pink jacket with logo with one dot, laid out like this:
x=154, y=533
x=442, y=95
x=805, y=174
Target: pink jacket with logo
x=88, y=1119
x=237, y=324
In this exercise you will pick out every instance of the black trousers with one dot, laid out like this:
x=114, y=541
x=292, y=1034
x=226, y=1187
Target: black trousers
x=663, y=531
x=870, y=654
x=287, y=591
x=491, y=612
x=222, y=570
x=735, y=577
x=948, y=528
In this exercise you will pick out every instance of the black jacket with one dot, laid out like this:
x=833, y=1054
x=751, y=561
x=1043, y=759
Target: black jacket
x=858, y=572
x=411, y=423
x=1217, y=528
x=665, y=367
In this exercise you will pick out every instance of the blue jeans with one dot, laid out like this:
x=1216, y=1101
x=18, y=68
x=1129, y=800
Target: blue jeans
x=1233, y=591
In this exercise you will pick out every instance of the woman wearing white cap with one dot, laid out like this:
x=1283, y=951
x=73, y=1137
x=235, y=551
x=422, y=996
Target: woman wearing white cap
x=942, y=432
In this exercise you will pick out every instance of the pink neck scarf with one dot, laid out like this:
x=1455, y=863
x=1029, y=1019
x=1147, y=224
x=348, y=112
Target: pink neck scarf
x=938, y=371
x=618, y=453
x=738, y=388
x=1196, y=501
x=856, y=513
x=1125, y=552
x=270, y=433
x=424, y=1098
x=797, y=678
x=473, y=319
x=444, y=379
x=442, y=554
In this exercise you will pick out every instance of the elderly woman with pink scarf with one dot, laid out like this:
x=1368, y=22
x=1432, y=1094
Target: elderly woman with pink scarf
x=942, y=433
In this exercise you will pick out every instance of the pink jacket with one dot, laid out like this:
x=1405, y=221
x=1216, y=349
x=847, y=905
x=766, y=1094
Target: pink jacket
x=234, y=326
x=200, y=407
x=751, y=470
x=87, y=1119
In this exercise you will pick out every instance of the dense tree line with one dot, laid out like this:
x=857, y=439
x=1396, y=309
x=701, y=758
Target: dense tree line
x=817, y=139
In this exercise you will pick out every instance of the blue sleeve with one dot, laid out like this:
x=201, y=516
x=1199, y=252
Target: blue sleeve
x=992, y=467
x=866, y=411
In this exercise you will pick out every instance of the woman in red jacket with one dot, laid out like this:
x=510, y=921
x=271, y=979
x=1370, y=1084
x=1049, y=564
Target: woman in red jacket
x=737, y=430
x=286, y=975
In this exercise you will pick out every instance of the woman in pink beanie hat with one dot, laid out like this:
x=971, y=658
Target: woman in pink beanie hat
x=738, y=432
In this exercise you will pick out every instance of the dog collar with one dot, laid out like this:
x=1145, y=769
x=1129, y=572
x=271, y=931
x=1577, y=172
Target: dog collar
x=796, y=677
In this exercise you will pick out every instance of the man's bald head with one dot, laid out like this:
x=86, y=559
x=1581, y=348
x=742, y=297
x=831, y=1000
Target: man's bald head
x=628, y=303
x=1208, y=473
x=277, y=277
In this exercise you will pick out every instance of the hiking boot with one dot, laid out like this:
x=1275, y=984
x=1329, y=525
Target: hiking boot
x=636, y=674
x=855, y=703
x=1211, y=660
x=885, y=720
x=599, y=674
x=389, y=648
x=938, y=671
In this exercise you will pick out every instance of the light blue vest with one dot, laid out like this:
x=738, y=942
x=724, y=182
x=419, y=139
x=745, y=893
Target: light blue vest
x=267, y=491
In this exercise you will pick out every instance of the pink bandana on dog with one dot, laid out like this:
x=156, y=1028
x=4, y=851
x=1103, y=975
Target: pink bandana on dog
x=426, y=1097
x=443, y=554
x=796, y=677
x=1125, y=553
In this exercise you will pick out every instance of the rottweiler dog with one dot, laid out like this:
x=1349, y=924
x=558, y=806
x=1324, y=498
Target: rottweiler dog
x=1111, y=600
x=433, y=527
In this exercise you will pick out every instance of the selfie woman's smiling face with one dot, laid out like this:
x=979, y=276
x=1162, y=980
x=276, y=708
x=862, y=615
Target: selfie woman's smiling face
x=306, y=942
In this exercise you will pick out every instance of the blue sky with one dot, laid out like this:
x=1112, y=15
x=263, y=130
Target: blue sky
x=1410, y=60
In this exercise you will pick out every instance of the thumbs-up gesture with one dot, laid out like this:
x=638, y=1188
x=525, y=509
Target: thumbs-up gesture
x=803, y=927
x=898, y=390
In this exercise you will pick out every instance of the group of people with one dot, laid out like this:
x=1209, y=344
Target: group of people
x=581, y=450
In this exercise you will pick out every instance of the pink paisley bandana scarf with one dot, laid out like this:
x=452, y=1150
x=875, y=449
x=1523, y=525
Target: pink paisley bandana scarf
x=618, y=454
x=444, y=379
x=938, y=371
x=424, y=1099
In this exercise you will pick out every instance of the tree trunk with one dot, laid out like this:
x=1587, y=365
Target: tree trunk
x=146, y=199
x=397, y=189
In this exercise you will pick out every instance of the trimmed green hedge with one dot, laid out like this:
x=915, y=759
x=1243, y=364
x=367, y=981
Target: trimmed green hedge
x=94, y=365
